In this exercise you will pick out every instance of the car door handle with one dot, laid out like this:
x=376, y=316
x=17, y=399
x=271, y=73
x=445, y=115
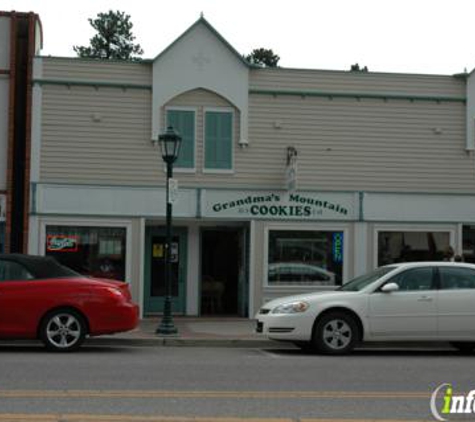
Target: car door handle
x=425, y=299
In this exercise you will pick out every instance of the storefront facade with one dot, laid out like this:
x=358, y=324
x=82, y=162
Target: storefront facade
x=290, y=181
x=233, y=250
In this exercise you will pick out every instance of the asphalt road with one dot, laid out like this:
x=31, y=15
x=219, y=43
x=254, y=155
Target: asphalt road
x=203, y=384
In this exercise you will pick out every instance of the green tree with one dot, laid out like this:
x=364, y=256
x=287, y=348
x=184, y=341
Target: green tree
x=263, y=57
x=356, y=68
x=114, y=38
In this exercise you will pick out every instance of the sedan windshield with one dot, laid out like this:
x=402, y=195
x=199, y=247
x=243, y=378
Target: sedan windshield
x=359, y=283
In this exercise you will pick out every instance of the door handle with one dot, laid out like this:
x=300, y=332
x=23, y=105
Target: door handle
x=425, y=299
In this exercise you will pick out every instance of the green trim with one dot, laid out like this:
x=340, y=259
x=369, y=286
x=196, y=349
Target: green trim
x=95, y=84
x=358, y=95
x=96, y=59
x=246, y=187
x=154, y=304
x=203, y=21
x=198, y=202
x=361, y=208
x=34, y=188
x=184, y=122
x=218, y=140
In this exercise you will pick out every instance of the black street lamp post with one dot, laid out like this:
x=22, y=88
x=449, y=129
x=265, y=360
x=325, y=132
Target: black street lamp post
x=170, y=143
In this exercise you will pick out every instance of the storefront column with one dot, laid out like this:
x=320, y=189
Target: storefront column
x=137, y=261
x=362, y=252
x=256, y=270
x=33, y=236
x=193, y=282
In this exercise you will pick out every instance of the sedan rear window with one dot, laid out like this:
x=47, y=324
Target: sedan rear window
x=28, y=267
x=50, y=268
x=10, y=270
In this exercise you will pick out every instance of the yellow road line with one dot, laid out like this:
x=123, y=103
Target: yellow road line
x=11, y=417
x=157, y=394
x=125, y=418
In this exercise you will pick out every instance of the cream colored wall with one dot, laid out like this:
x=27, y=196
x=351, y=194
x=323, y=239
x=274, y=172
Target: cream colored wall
x=4, y=42
x=139, y=73
x=362, y=144
x=356, y=82
x=100, y=135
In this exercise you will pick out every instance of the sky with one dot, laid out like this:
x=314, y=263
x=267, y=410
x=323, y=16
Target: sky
x=407, y=36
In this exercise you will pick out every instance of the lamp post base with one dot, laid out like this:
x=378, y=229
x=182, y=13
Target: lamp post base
x=166, y=326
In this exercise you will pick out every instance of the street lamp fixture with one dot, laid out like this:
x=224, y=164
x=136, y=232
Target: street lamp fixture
x=170, y=143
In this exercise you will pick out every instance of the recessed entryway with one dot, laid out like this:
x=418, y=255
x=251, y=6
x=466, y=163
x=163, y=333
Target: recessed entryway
x=223, y=271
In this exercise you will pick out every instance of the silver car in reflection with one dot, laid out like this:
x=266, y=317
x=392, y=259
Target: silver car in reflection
x=299, y=272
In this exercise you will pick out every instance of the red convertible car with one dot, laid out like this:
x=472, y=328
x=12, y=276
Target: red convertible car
x=41, y=299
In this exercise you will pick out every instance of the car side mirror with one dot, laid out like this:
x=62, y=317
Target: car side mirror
x=390, y=288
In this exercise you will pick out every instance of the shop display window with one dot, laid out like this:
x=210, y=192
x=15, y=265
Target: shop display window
x=411, y=246
x=468, y=243
x=92, y=251
x=305, y=257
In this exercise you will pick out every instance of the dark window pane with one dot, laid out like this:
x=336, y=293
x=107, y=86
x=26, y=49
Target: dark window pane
x=411, y=246
x=415, y=279
x=457, y=278
x=10, y=270
x=468, y=241
x=93, y=251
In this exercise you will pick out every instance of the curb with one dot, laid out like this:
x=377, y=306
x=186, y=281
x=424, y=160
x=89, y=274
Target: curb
x=251, y=343
x=185, y=342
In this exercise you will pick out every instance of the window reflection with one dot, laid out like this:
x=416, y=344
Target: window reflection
x=411, y=246
x=305, y=257
x=468, y=244
x=93, y=251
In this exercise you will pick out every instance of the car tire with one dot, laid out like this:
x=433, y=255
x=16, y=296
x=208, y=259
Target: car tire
x=464, y=346
x=63, y=330
x=335, y=333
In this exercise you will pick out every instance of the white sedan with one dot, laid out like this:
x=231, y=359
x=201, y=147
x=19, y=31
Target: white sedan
x=422, y=301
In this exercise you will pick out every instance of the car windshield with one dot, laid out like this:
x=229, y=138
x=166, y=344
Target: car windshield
x=359, y=283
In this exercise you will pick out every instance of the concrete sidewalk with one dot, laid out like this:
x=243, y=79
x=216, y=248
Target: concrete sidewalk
x=223, y=332
x=192, y=331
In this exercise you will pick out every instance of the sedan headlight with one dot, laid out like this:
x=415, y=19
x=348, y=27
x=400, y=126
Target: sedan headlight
x=291, y=308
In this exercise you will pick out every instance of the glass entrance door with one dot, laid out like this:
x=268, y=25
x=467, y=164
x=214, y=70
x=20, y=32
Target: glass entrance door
x=155, y=288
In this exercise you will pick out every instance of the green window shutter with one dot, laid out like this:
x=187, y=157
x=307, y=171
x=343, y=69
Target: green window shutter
x=183, y=121
x=218, y=140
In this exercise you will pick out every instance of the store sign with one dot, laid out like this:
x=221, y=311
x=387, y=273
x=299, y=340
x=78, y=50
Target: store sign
x=337, y=243
x=60, y=243
x=3, y=208
x=279, y=205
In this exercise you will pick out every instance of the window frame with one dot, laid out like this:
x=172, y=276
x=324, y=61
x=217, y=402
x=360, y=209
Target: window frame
x=344, y=228
x=233, y=136
x=85, y=222
x=195, y=111
x=447, y=228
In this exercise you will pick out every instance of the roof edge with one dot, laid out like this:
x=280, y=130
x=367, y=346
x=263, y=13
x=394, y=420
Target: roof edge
x=210, y=27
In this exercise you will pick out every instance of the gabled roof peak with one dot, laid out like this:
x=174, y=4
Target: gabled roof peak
x=202, y=21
